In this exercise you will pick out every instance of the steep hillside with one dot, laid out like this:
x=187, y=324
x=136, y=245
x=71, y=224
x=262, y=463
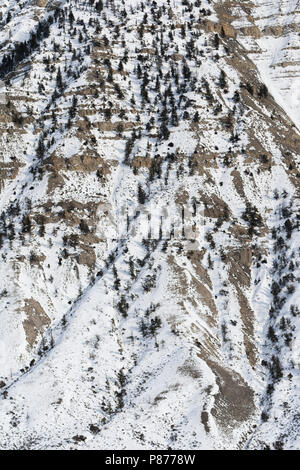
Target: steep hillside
x=270, y=30
x=149, y=228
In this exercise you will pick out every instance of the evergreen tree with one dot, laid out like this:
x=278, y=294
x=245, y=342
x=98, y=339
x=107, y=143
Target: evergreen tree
x=222, y=79
x=59, y=81
x=216, y=41
x=141, y=195
x=41, y=148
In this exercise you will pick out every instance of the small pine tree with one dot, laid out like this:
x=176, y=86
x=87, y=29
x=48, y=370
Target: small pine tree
x=40, y=149
x=216, y=41
x=59, y=81
x=141, y=195
x=196, y=117
x=222, y=79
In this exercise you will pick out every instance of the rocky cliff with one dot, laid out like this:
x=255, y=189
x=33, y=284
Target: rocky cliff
x=149, y=171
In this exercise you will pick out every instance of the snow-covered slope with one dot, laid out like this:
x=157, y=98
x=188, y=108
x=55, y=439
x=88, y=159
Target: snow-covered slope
x=270, y=32
x=149, y=230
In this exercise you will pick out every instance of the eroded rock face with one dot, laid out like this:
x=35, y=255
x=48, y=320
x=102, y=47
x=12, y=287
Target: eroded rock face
x=234, y=401
x=149, y=225
x=36, y=320
x=270, y=33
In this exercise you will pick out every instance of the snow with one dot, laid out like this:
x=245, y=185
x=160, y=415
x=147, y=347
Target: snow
x=103, y=290
x=277, y=57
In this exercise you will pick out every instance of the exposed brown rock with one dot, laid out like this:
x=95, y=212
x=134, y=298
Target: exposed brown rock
x=235, y=400
x=36, y=320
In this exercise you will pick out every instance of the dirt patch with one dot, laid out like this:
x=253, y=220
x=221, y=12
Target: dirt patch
x=194, y=291
x=238, y=183
x=240, y=263
x=36, y=320
x=55, y=180
x=240, y=232
x=214, y=207
x=182, y=196
x=240, y=276
x=235, y=400
x=247, y=317
x=42, y=3
x=87, y=257
x=141, y=162
x=252, y=31
x=9, y=171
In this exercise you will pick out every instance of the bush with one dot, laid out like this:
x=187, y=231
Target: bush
x=149, y=282
x=276, y=368
x=141, y=195
x=271, y=334
x=123, y=306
